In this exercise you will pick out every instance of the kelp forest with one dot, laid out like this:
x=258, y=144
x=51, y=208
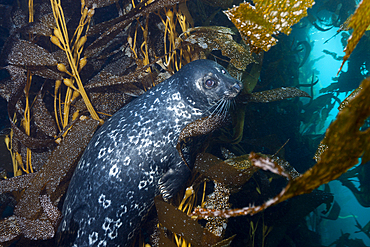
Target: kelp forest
x=261, y=179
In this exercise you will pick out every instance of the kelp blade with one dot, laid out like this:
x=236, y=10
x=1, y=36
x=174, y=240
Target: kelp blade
x=345, y=142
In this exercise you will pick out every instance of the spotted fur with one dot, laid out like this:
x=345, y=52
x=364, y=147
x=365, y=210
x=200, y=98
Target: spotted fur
x=133, y=156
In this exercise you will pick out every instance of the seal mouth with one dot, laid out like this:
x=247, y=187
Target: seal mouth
x=222, y=105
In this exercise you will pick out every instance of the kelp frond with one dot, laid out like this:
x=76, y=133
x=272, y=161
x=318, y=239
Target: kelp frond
x=345, y=144
x=259, y=23
x=359, y=22
x=61, y=39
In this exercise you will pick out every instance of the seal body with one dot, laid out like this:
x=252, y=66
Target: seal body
x=133, y=157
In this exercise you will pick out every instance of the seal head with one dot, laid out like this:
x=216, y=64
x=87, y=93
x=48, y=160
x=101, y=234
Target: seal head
x=133, y=157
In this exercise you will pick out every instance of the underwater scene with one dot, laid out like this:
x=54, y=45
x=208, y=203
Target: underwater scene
x=282, y=162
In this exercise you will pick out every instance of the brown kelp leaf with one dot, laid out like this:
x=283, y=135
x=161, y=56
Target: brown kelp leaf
x=25, y=53
x=178, y=222
x=359, y=21
x=51, y=211
x=218, y=199
x=267, y=18
x=44, y=26
x=9, y=229
x=321, y=149
x=19, y=81
x=38, y=229
x=225, y=242
x=200, y=127
x=46, y=73
x=16, y=183
x=106, y=103
x=219, y=3
x=13, y=226
x=62, y=159
x=349, y=97
x=42, y=117
x=110, y=92
x=164, y=241
x=268, y=164
x=30, y=142
x=345, y=144
x=259, y=161
x=99, y=3
x=219, y=38
x=251, y=78
x=132, y=84
x=275, y=95
x=233, y=172
x=5, y=90
x=286, y=166
x=98, y=45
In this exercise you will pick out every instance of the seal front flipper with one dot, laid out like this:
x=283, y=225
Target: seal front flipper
x=133, y=155
x=173, y=180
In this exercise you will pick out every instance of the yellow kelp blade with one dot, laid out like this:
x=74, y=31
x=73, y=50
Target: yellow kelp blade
x=359, y=22
x=267, y=18
x=345, y=142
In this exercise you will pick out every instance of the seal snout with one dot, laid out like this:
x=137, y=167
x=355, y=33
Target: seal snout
x=235, y=89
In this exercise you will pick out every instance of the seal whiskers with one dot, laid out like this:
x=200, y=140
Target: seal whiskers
x=222, y=107
x=133, y=156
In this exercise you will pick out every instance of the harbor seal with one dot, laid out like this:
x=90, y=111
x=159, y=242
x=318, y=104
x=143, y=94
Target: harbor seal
x=133, y=157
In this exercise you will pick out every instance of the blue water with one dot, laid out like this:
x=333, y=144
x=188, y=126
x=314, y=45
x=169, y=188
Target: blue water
x=325, y=67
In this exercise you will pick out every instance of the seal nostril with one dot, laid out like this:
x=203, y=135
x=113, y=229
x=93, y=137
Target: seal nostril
x=236, y=87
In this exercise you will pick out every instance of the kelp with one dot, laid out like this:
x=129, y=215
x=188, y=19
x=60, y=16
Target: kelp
x=99, y=3
x=359, y=22
x=97, y=46
x=42, y=117
x=138, y=66
x=19, y=80
x=227, y=176
x=365, y=229
x=134, y=84
x=193, y=232
x=73, y=53
x=238, y=116
x=199, y=128
x=259, y=23
x=32, y=55
x=219, y=38
x=250, y=78
x=345, y=142
x=36, y=216
x=176, y=221
x=232, y=173
x=361, y=192
x=219, y=3
x=275, y=95
x=190, y=231
x=218, y=199
x=39, y=133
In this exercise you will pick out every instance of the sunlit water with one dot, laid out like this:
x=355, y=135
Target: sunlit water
x=325, y=67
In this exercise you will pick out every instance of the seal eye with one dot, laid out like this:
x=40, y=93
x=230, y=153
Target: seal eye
x=209, y=83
